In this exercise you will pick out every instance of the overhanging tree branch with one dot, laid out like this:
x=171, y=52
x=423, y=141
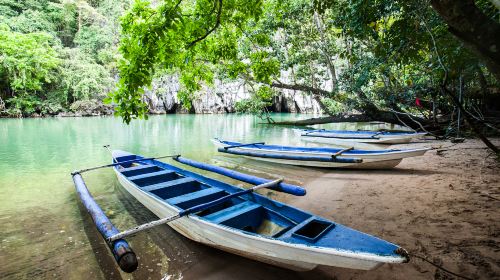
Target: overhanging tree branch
x=300, y=87
x=217, y=23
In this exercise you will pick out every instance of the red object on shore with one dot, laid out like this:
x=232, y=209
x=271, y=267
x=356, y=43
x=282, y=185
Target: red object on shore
x=417, y=101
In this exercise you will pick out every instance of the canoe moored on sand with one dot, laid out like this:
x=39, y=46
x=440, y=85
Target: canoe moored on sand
x=305, y=156
x=372, y=137
x=250, y=225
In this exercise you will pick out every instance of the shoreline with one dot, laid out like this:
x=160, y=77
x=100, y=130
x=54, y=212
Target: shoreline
x=435, y=206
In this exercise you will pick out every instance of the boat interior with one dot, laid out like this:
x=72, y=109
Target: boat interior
x=327, y=150
x=250, y=213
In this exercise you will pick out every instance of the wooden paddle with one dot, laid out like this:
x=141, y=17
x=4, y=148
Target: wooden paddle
x=191, y=210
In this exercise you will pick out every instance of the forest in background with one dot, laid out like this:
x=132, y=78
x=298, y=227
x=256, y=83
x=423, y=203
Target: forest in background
x=57, y=56
x=394, y=61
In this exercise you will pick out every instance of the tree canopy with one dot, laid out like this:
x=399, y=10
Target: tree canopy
x=346, y=54
x=374, y=57
x=56, y=52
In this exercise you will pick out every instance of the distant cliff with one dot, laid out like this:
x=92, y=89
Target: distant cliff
x=221, y=98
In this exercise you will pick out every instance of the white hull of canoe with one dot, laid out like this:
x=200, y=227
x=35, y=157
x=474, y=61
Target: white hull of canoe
x=370, y=161
x=293, y=256
x=335, y=142
x=369, y=165
x=379, y=139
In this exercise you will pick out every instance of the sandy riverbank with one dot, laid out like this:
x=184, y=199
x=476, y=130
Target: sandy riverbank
x=443, y=205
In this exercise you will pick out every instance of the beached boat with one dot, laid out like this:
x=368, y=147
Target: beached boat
x=319, y=156
x=250, y=225
x=349, y=136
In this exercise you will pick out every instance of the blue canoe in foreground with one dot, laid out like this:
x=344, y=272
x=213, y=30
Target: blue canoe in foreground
x=318, y=156
x=250, y=225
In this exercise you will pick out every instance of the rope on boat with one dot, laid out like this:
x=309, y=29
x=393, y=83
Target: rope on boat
x=439, y=267
x=109, y=150
x=375, y=136
x=243, y=145
x=120, y=163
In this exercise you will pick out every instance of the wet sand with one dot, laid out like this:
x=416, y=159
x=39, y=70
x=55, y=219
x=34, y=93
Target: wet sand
x=443, y=206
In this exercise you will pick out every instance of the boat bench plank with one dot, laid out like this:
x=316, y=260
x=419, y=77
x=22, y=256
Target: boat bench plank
x=153, y=174
x=195, y=198
x=139, y=170
x=290, y=232
x=168, y=184
x=231, y=212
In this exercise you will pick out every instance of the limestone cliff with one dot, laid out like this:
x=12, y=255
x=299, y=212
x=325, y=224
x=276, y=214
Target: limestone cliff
x=220, y=98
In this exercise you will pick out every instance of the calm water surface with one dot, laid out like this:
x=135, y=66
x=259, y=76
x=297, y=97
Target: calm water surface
x=45, y=233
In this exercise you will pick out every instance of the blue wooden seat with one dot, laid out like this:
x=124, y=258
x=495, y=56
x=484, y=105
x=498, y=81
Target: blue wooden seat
x=168, y=184
x=139, y=169
x=195, y=198
x=153, y=178
x=232, y=212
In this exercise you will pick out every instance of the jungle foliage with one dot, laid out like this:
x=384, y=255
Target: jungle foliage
x=56, y=52
x=356, y=55
x=369, y=56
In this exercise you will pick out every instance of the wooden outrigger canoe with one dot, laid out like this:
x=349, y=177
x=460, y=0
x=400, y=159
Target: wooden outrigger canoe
x=247, y=224
x=308, y=156
x=372, y=137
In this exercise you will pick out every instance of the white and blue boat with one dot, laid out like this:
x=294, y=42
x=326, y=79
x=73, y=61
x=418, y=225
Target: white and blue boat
x=318, y=156
x=347, y=137
x=249, y=225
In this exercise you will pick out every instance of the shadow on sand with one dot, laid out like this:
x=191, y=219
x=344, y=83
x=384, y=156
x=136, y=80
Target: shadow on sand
x=197, y=261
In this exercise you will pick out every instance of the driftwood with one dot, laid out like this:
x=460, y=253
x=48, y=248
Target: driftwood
x=381, y=116
x=329, y=119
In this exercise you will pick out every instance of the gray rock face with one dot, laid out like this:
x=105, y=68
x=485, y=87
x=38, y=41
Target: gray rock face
x=220, y=98
x=88, y=108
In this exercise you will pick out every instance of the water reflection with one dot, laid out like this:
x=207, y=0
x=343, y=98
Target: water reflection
x=44, y=233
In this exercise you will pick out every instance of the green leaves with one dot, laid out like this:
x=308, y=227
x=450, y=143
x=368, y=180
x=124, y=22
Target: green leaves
x=53, y=53
x=27, y=61
x=264, y=67
x=188, y=37
x=257, y=104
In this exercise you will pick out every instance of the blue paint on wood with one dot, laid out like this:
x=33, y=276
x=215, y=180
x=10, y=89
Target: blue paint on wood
x=279, y=148
x=121, y=250
x=282, y=187
x=359, y=132
x=246, y=211
x=292, y=157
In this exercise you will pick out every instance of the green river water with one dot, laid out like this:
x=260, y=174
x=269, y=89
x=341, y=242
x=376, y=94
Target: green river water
x=44, y=233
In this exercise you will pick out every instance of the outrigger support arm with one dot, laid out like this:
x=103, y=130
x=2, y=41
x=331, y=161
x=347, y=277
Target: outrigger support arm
x=342, y=151
x=121, y=250
x=120, y=163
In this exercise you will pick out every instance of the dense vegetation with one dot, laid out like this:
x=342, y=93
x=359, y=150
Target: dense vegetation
x=376, y=57
x=398, y=61
x=57, y=55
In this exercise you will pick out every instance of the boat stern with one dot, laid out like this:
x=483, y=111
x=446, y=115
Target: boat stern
x=121, y=156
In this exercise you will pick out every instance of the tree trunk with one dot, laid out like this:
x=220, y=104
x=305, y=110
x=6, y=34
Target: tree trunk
x=2, y=104
x=384, y=116
x=474, y=123
x=316, y=93
x=479, y=33
x=325, y=51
